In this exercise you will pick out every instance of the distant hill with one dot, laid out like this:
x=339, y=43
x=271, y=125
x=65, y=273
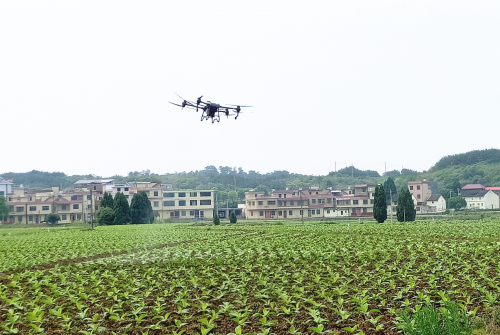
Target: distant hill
x=468, y=158
x=450, y=172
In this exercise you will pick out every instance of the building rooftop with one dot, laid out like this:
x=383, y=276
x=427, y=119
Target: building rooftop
x=89, y=181
x=473, y=187
x=434, y=197
x=473, y=192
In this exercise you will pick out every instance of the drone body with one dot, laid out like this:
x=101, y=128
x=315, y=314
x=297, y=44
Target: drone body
x=210, y=110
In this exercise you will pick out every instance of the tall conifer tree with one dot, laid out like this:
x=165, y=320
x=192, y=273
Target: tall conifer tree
x=380, y=205
x=141, y=210
x=122, y=210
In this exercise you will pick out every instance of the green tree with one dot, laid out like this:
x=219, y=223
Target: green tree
x=456, y=203
x=232, y=217
x=380, y=205
x=105, y=216
x=389, y=188
x=107, y=200
x=121, y=209
x=406, y=208
x=141, y=210
x=4, y=209
x=216, y=220
x=53, y=218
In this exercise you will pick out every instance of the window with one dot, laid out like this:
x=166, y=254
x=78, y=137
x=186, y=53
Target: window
x=363, y=189
x=251, y=213
x=411, y=188
x=79, y=216
x=365, y=210
x=301, y=212
x=317, y=211
x=155, y=193
x=20, y=218
x=193, y=202
x=76, y=206
x=64, y=207
x=205, y=194
x=418, y=196
x=30, y=218
x=191, y=213
x=418, y=209
x=202, y=214
x=182, y=194
x=354, y=210
x=126, y=189
x=329, y=200
x=253, y=203
x=193, y=194
x=279, y=195
x=95, y=188
x=19, y=209
x=2, y=193
x=273, y=213
x=183, y=202
x=169, y=203
x=183, y=213
x=118, y=189
x=63, y=217
x=292, y=203
x=290, y=212
x=11, y=208
x=313, y=201
x=355, y=202
x=271, y=202
x=88, y=197
x=205, y=202
x=32, y=208
x=260, y=203
x=156, y=204
x=365, y=202
x=418, y=187
x=372, y=201
x=280, y=213
x=327, y=211
x=89, y=207
x=169, y=195
x=261, y=213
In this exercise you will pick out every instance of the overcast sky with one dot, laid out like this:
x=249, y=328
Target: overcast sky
x=85, y=85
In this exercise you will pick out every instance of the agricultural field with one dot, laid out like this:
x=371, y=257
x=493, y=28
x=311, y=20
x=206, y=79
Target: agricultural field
x=283, y=278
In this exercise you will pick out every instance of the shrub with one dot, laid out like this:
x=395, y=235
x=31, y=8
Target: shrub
x=216, y=220
x=232, y=217
x=105, y=216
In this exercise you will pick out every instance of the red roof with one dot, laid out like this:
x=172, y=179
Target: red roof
x=473, y=187
x=493, y=188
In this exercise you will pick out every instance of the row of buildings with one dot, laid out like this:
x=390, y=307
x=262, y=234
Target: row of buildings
x=83, y=200
x=316, y=203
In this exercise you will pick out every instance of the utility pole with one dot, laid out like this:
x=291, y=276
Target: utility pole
x=450, y=194
x=390, y=205
x=352, y=170
x=301, y=210
x=227, y=207
x=91, y=209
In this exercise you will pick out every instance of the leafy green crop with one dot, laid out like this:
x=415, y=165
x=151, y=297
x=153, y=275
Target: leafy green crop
x=244, y=279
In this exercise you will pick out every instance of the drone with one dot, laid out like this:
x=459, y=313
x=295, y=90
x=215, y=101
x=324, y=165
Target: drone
x=210, y=110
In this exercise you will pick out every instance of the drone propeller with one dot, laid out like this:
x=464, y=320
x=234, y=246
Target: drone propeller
x=239, y=105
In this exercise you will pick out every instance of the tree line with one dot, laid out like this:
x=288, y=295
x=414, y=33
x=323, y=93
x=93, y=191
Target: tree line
x=116, y=211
